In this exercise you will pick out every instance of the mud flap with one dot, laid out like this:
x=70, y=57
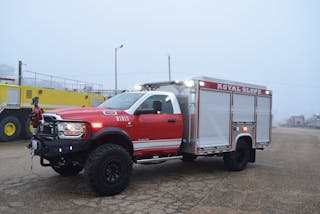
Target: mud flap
x=252, y=155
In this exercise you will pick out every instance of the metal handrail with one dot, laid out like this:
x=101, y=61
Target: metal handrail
x=56, y=82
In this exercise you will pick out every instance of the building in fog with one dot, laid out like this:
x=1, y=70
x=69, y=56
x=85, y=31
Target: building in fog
x=314, y=121
x=296, y=121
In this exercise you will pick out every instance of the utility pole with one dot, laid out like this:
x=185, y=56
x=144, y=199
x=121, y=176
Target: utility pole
x=169, y=65
x=20, y=72
x=116, y=68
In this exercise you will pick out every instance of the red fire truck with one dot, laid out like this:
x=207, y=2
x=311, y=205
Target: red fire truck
x=160, y=121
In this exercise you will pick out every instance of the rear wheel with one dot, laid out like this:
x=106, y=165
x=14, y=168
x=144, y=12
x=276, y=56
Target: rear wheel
x=237, y=160
x=28, y=129
x=108, y=169
x=68, y=170
x=10, y=129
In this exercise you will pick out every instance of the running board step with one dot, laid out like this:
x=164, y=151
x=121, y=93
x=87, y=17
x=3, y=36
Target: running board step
x=159, y=159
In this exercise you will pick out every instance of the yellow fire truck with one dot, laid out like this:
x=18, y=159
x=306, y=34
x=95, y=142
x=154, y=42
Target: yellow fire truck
x=16, y=105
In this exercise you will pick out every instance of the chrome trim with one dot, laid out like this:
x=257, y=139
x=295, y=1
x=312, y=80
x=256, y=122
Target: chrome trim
x=57, y=117
x=1, y=109
x=159, y=159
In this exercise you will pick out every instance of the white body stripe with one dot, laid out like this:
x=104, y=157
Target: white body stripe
x=167, y=143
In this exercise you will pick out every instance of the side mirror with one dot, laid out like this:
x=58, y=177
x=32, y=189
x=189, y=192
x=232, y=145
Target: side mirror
x=157, y=105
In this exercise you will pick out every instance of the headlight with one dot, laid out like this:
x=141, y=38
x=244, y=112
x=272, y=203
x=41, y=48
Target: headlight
x=71, y=129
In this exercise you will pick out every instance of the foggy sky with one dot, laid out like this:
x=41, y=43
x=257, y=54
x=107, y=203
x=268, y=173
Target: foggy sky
x=273, y=43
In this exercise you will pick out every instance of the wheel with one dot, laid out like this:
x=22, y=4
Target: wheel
x=10, y=128
x=237, y=160
x=28, y=128
x=188, y=157
x=68, y=170
x=108, y=169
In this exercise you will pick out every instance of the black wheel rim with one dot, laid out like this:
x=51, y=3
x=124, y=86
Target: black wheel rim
x=111, y=171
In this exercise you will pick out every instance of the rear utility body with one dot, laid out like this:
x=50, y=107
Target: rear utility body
x=218, y=113
x=160, y=121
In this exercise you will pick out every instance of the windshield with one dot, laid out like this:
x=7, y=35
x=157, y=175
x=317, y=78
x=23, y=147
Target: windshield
x=121, y=101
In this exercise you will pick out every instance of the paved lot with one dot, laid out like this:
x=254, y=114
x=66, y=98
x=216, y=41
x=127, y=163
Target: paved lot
x=285, y=179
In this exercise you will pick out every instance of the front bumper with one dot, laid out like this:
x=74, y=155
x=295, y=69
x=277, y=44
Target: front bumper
x=55, y=148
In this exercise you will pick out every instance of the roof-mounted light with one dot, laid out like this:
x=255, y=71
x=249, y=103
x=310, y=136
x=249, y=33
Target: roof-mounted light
x=138, y=87
x=189, y=83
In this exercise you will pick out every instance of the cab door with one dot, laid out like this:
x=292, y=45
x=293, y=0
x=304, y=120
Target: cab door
x=160, y=130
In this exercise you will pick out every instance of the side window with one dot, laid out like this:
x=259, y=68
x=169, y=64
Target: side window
x=165, y=103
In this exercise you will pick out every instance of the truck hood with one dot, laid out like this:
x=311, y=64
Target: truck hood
x=84, y=113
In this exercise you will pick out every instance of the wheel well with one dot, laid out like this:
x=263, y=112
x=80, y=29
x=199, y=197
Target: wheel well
x=245, y=139
x=114, y=139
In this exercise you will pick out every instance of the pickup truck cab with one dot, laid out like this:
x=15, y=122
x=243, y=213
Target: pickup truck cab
x=134, y=125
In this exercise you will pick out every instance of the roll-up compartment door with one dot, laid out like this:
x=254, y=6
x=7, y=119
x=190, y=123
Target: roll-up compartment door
x=263, y=119
x=243, y=108
x=214, y=118
x=13, y=97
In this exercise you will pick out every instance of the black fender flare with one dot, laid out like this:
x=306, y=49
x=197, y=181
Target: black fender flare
x=114, y=131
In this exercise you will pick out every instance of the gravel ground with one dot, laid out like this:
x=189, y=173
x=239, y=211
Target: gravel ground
x=284, y=179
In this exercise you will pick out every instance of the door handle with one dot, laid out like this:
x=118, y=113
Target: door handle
x=172, y=121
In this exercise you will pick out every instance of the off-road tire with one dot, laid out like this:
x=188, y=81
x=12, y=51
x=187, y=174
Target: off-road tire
x=17, y=126
x=188, y=157
x=27, y=133
x=108, y=169
x=67, y=170
x=237, y=160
